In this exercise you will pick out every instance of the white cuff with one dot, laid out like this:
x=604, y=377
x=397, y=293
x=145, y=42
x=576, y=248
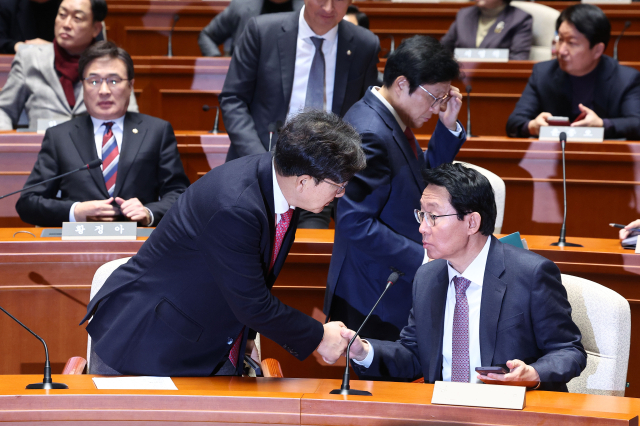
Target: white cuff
x=366, y=362
x=151, y=215
x=458, y=130
x=72, y=217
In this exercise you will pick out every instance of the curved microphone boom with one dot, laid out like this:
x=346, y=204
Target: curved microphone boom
x=345, y=389
x=92, y=165
x=468, y=88
x=47, y=383
x=627, y=24
x=562, y=242
x=176, y=18
x=206, y=108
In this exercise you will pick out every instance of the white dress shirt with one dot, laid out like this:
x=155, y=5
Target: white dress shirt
x=475, y=274
x=280, y=204
x=305, y=50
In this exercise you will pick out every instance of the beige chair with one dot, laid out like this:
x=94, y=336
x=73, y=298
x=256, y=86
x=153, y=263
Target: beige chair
x=75, y=365
x=544, y=28
x=499, y=190
x=604, y=319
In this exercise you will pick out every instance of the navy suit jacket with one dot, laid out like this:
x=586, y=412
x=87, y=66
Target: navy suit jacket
x=202, y=277
x=524, y=314
x=375, y=223
x=616, y=97
x=515, y=36
x=258, y=85
x=149, y=169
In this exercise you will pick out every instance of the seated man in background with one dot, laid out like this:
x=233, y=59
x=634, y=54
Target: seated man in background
x=480, y=303
x=44, y=78
x=374, y=229
x=582, y=84
x=492, y=24
x=356, y=17
x=142, y=174
x=187, y=302
x=227, y=26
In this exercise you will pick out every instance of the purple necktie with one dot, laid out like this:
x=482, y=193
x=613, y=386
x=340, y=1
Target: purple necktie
x=460, y=341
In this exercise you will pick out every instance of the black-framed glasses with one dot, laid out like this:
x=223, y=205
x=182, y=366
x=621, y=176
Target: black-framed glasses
x=97, y=81
x=341, y=188
x=436, y=101
x=431, y=218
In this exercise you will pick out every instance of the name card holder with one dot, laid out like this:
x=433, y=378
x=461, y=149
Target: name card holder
x=574, y=134
x=481, y=55
x=479, y=395
x=99, y=231
x=44, y=123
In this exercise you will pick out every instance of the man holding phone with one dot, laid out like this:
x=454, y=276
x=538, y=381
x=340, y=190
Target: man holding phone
x=583, y=86
x=481, y=303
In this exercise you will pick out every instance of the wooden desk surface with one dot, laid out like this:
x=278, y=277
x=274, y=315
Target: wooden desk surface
x=291, y=401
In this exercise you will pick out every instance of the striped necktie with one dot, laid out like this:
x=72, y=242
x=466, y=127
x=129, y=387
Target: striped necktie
x=110, y=157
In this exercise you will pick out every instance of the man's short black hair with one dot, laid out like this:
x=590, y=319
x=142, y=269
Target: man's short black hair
x=422, y=60
x=321, y=145
x=101, y=49
x=99, y=10
x=590, y=20
x=469, y=191
x=361, y=17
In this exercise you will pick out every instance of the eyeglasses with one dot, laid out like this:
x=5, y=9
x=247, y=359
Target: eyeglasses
x=436, y=101
x=341, y=188
x=97, y=81
x=420, y=216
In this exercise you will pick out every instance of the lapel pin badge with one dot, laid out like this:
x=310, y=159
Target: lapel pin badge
x=348, y=53
x=135, y=131
x=499, y=27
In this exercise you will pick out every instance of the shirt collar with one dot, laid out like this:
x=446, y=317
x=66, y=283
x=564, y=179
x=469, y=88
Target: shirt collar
x=375, y=91
x=305, y=32
x=280, y=203
x=475, y=271
x=97, y=124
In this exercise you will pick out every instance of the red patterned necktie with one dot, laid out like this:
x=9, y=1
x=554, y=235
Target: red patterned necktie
x=281, y=230
x=110, y=157
x=412, y=141
x=460, y=341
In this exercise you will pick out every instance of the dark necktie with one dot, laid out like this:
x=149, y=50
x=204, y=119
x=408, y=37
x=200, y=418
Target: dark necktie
x=110, y=157
x=315, y=85
x=460, y=338
x=412, y=140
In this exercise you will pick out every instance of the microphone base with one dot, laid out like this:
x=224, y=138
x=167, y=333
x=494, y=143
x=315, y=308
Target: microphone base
x=565, y=244
x=47, y=386
x=350, y=392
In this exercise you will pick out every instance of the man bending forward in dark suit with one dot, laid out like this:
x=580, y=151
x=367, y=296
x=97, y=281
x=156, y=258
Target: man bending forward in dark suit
x=286, y=62
x=481, y=303
x=185, y=304
x=374, y=229
x=141, y=175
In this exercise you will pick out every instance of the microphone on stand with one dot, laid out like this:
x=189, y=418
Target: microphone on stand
x=47, y=383
x=627, y=24
x=345, y=389
x=562, y=242
x=91, y=165
x=176, y=18
x=206, y=108
x=469, y=110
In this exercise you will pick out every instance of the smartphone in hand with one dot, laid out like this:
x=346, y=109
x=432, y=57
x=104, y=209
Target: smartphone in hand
x=495, y=370
x=558, y=121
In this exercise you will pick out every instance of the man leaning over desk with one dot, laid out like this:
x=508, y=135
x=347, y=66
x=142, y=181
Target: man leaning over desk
x=141, y=175
x=480, y=303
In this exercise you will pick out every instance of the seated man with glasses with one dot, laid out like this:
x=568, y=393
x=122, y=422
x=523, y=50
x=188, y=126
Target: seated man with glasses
x=141, y=174
x=480, y=303
x=373, y=219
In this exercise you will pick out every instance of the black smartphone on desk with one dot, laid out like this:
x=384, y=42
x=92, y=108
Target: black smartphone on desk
x=495, y=370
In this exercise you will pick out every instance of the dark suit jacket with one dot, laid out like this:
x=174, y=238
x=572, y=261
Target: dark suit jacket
x=524, y=314
x=149, y=169
x=177, y=306
x=17, y=24
x=230, y=23
x=375, y=224
x=516, y=35
x=258, y=86
x=617, y=98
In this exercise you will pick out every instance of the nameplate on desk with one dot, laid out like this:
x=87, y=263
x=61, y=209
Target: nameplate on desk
x=479, y=395
x=574, y=134
x=607, y=2
x=99, y=231
x=44, y=123
x=481, y=55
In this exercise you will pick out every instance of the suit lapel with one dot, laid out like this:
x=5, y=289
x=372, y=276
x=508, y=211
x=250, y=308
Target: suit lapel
x=131, y=143
x=491, y=34
x=604, y=72
x=47, y=67
x=493, y=290
x=84, y=141
x=343, y=63
x=473, y=26
x=287, y=45
x=438, y=301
